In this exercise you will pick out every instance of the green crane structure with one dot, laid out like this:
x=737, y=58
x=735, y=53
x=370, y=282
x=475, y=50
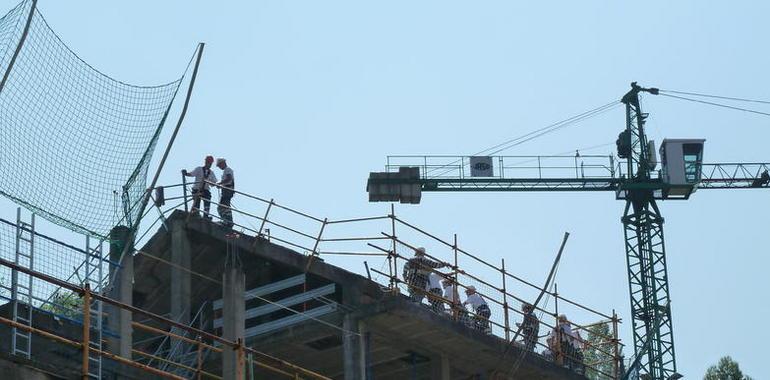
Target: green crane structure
x=640, y=185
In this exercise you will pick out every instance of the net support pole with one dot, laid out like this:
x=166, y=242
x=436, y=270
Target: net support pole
x=147, y=194
x=176, y=129
x=19, y=46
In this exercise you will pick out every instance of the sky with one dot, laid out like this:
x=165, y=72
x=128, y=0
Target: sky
x=305, y=98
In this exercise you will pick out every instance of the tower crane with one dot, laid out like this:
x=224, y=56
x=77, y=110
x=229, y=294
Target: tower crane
x=640, y=185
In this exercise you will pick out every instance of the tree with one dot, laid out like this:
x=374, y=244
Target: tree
x=598, y=355
x=65, y=303
x=726, y=369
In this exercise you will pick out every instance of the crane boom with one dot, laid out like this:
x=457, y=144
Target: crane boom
x=713, y=176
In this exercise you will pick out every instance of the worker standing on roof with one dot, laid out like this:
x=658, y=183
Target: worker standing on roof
x=452, y=296
x=227, y=185
x=416, y=272
x=480, y=308
x=204, y=177
x=530, y=326
x=434, y=292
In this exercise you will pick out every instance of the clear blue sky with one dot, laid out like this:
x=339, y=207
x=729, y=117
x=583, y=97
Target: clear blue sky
x=305, y=98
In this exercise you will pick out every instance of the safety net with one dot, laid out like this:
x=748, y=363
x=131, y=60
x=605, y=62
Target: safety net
x=75, y=144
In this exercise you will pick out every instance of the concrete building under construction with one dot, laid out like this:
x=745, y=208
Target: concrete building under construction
x=199, y=300
x=282, y=303
x=117, y=293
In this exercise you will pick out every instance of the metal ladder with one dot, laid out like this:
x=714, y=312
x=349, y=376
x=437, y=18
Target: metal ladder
x=94, y=276
x=21, y=286
x=187, y=353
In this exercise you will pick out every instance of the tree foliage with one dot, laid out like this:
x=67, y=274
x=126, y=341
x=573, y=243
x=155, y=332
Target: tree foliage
x=726, y=369
x=65, y=303
x=598, y=353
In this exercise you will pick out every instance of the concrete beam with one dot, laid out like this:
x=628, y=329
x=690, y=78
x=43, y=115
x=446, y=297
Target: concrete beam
x=233, y=322
x=121, y=289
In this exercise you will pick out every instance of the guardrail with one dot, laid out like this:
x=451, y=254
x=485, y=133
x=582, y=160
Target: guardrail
x=461, y=167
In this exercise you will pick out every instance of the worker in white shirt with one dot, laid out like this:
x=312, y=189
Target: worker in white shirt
x=227, y=185
x=434, y=292
x=450, y=292
x=204, y=176
x=570, y=344
x=453, y=297
x=480, y=308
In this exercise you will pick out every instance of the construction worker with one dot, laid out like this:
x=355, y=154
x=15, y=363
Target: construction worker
x=453, y=297
x=570, y=345
x=530, y=326
x=435, y=291
x=204, y=177
x=480, y=308
x=416, y=272
x=227, y=185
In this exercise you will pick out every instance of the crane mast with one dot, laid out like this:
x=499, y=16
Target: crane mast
x=645, y=249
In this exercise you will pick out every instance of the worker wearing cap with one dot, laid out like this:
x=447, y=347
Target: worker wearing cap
x=480, y=308
x=228, y=190
x=204, y=177
x=416, y=272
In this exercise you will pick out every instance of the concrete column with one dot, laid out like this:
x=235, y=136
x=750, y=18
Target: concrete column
x=233, y=317
x=440, y=369
x=353, y=348
x=121, y=289
x=180, y=275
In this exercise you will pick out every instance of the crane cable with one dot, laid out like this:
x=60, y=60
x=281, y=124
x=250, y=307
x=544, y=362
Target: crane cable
x=716, y=96
x=716, y=104
x=548, y=129
x=670, y=94
x=534, y=134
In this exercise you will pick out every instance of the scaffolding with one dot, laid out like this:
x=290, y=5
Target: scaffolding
x=393, y=240
x=202, y=340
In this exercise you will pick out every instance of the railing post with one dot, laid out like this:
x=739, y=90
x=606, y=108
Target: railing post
x=559, y=354
x=315, y=246
x=616, y=343
x=576, y=165
x=264, y=219
x=539, y=168
x=184, y=191
x=86, y=329
x=392, y=257
x=505, y=303
x=456, y=302
x=612, y=167
x=241, y=361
